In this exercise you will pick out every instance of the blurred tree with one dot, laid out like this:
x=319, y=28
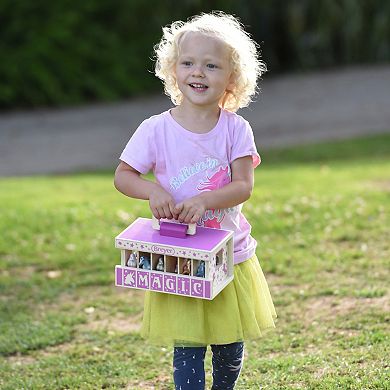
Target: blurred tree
x=66, y=52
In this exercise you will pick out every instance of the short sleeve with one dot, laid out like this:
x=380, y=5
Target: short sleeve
x=139, y=152
x=244, y=143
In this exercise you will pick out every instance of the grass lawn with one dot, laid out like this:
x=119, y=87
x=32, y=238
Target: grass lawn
x=321, y=216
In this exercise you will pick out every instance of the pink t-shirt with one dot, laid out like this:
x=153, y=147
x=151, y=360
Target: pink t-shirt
x=187, y=163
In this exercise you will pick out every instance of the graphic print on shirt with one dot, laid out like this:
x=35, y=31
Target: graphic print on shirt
x=186, y=173
x=221, y=177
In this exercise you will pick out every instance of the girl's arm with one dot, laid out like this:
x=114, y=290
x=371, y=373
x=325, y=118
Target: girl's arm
x=237, y=191
x=129, y=181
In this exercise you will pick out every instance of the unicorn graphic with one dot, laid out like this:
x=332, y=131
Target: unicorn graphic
x=216, y=181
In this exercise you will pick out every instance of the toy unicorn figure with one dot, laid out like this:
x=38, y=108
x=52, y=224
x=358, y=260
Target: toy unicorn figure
x=160, y=264
x=200, y=272
x=144, y=262
x=187, y=267
x=132, y=262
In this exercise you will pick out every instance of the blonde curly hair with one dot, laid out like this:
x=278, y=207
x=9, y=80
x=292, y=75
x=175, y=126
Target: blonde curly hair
x=246, y=64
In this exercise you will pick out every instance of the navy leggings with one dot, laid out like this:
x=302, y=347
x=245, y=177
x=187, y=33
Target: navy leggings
x=188, y=366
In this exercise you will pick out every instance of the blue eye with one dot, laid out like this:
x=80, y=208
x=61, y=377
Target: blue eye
x=187, y=63
x=212, y=66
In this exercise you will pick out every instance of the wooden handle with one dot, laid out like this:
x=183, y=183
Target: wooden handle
x=156, y=224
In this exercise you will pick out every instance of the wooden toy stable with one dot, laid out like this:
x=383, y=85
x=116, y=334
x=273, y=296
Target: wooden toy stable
x=181, y=252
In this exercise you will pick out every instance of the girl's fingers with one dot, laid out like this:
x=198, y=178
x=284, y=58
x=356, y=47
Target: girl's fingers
x=182, y=216
x=172, y=210
x=195, y=218
x=167, y=212
x=179, y=212
x=178, y=208
x=155, y=212
x=161, y=212
x=192, y=217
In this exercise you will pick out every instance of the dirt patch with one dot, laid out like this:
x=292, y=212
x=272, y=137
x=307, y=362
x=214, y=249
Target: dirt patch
x=383, y=185
x=322, y=371
x=321, y=309
x=162, y=382
x=87, y=297
x=100, y=318
x=21, y=273
x=20, y=360
x=115, y=324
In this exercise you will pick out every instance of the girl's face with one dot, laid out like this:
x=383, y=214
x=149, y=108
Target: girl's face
x=203, y=71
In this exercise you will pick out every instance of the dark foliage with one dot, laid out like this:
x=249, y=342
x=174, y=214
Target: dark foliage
x=65, y=52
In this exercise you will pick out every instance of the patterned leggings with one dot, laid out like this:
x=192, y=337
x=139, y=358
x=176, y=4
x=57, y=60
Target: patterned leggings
x=188, y=366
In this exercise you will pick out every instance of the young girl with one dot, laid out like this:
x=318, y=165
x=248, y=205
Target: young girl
x=203, y=155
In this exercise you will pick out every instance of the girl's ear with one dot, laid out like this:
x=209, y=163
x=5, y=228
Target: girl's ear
x=232, y=81
x=229, y=90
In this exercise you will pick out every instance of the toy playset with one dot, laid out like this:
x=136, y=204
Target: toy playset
x=174, y=258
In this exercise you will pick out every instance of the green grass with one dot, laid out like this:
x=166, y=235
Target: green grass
x=321, y=216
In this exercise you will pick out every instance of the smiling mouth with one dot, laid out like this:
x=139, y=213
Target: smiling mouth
x=198, y=87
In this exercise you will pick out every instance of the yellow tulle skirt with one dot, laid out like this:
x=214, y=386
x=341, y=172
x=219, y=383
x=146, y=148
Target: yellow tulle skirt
x=243, y=310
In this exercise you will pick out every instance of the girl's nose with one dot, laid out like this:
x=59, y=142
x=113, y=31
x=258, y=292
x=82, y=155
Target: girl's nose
x=198, y=71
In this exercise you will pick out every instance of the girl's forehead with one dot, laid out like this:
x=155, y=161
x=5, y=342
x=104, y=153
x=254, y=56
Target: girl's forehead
x=193, y=40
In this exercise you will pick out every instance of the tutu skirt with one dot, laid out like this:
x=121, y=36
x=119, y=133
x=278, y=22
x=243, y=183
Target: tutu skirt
x=243, y=310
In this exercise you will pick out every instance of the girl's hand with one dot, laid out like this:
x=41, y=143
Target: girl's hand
x=161, y=203
x=190, y=210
